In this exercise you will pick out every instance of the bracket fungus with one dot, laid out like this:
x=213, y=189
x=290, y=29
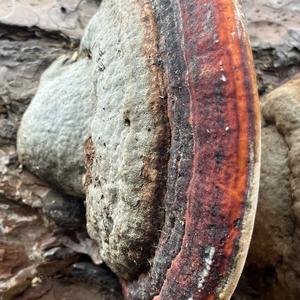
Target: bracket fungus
x=173, y=156
x=176, y=145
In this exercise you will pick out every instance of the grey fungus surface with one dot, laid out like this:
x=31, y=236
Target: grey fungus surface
x=129, y=135
x=56, y=124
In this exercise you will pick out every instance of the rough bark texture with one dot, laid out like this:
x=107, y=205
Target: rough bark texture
x=65, y=17
x=129, y=135
x=18, y=185
x=24, y=258
x=274, y=29
x=56, y=124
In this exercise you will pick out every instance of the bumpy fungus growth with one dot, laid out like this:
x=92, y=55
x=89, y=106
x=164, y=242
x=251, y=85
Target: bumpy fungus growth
x=279, y=197
x=55, y=126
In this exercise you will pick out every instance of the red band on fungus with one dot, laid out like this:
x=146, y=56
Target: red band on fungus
x=213, y=167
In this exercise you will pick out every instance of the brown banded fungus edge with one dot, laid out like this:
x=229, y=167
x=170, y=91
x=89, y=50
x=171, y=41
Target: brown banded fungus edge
x=177, y=127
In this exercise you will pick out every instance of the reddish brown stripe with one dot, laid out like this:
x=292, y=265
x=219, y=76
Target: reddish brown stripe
x=214, y=116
